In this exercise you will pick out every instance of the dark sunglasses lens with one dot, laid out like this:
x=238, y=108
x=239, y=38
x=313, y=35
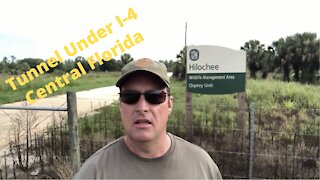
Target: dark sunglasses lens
x=130, y=97
x=152, y=97
x=155, y=97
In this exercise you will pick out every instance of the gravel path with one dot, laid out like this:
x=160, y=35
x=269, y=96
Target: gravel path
x=87, y=101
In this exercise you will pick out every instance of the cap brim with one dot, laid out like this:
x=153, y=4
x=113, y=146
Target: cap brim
x=122, y=79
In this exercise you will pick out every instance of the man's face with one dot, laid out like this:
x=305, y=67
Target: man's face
x=144, y=121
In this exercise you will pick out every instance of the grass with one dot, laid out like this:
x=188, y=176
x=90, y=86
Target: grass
x=277, y=94
x=267, y=94
x=86, y=82
x=276, y=102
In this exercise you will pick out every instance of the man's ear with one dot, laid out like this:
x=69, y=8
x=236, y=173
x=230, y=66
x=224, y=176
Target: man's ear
x=170, y=104
x=120, y=106
x=119, y=99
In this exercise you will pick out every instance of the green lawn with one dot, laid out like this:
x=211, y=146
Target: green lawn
x=87, y=81
x=276, y=102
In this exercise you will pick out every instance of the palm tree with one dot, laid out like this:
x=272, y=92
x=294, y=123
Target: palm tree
x=282, y=58
x=126, y=58
x=310, y=57
x=268, y=62
x=255, y=53
x=294, y=52
x=179, y=69
x=301, y=52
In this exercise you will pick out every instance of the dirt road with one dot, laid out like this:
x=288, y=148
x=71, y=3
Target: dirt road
x=87, y=101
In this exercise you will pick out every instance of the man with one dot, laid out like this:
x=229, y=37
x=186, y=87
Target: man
x=147, y=151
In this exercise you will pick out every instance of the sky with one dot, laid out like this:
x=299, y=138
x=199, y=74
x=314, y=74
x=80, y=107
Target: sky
x=36, y=28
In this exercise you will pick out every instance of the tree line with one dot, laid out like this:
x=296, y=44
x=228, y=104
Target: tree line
x=13, y=66
x=295, y=58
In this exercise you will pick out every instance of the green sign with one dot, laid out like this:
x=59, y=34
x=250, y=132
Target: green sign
x=215, y=70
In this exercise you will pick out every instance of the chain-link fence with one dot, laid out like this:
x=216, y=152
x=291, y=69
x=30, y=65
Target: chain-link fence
x=286, y=142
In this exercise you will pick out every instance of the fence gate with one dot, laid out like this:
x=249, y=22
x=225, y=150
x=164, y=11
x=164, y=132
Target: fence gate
x=71, y=109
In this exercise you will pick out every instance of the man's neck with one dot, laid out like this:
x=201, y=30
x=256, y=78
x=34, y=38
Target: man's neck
x=152, y=149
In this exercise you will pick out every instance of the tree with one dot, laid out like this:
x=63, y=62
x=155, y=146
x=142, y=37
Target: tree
x=22, y=67
x=110, y=65
x=255, y=53
x=12, y=65
x=268, y=62
x=282, y=58
x=179, y=69
x=309, y=62
x=69, y=65
x=301, y=52
x=33, y=62
x=60, y=67
x=84, y=63
x=4, y=65
x=1, y=66
x=119, y=65
x=169, y=64
x=126, y=58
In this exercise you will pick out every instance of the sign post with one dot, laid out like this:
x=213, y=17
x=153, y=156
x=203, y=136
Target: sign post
x=188, y=115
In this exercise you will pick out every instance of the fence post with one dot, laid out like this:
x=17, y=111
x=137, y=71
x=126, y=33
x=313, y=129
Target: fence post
x=251, y=141
x=5, y=166
x=188, y=116
x=241, y=120
x=73, y=130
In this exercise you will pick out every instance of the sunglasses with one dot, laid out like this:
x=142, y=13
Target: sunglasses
x=152, y=96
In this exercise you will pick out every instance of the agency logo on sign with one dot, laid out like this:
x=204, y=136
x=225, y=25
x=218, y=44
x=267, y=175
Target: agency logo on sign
x=194, y=54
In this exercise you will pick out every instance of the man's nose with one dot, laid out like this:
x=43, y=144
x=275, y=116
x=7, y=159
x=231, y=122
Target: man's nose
x=142, y=105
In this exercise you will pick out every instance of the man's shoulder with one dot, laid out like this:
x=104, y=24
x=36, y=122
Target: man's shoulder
x=192, y=151
x=198, y=156
x=111, y=146
x=93, y=165
x=186, y=145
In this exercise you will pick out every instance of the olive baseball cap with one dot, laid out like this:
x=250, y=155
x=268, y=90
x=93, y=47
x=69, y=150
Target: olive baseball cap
x=145, y=64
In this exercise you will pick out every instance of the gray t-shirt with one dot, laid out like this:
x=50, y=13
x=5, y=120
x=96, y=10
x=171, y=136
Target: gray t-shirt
x=183, y=160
